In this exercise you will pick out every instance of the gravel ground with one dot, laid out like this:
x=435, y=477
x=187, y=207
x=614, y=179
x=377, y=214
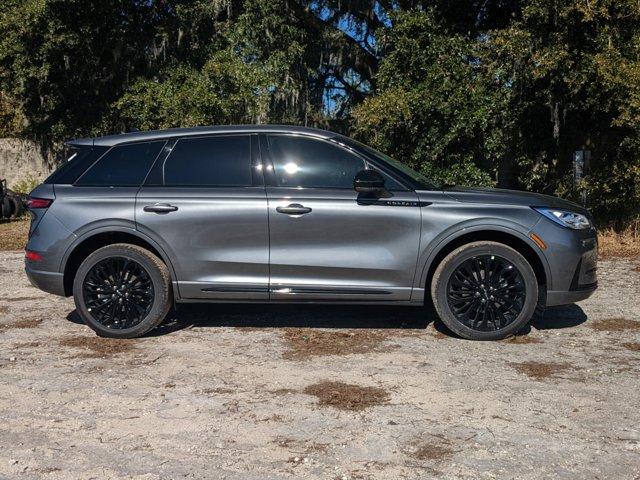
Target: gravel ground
x=263, y=392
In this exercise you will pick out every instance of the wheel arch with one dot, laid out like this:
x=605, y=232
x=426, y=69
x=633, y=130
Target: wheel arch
x=507, y=236
x=98, y=238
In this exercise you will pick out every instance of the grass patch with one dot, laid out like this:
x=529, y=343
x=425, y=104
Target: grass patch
x=615, y=325
x=303, y=343
x=97, y=347
x=14, y=233
x=541, y=370
x=633, y=346
x=217, y=391
x=522, y=339
x=344, y=396
x=434, y=452
x=25, y=323
x=625, y=243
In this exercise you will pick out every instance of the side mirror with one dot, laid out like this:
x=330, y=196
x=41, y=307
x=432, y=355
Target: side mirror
x=369, y=181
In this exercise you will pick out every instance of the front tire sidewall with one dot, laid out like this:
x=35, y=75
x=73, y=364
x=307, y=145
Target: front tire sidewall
x=450, y=264
x=159, y=278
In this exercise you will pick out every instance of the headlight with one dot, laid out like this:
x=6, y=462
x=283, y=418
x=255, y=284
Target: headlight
x=566, y=218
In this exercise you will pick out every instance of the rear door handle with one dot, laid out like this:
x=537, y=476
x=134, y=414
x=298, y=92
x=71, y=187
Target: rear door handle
x=160, y=208
x=293, y=209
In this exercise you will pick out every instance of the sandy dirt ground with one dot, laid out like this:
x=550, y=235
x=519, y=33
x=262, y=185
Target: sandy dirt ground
x=264, y=392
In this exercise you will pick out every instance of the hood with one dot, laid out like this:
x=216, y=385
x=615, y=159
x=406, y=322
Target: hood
x=510, y=197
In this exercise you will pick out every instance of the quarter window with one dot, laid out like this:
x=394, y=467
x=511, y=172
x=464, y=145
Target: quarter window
x=123, y=166
x=307, y=162
x=221, y=161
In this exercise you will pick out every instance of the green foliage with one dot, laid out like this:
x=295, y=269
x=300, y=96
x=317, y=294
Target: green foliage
x=431, y=111
x=64, y=61
x=25, y=185
x=514, y=102
x=225, y=90
x=476, y=92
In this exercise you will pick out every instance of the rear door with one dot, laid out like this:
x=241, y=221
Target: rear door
x=327, y=241
x=204, y=202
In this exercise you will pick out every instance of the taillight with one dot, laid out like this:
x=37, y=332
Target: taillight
x=33, y=202
x=33, y=256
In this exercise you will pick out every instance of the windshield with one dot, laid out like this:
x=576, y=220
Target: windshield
x=420, y=180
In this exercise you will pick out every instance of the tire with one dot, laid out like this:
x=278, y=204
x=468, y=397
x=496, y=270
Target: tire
x=145, y=291
x=5, y=208
x=16, y=206
x=479, y=309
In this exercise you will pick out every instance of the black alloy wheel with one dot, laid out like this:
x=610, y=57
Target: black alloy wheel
x=486, y=293
x=118, y=292
x=485, y=290
x=122, y=291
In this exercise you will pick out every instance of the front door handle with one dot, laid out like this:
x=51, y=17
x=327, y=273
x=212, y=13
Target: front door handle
x=160, y=208
x=293, y=209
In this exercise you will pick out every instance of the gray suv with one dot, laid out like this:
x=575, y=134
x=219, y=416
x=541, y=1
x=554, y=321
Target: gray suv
x=132, y=223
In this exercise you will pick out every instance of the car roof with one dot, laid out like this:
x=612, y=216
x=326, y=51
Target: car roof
x=150, y=135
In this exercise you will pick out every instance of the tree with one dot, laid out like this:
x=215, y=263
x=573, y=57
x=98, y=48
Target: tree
x=432, y=109
x=480, y=92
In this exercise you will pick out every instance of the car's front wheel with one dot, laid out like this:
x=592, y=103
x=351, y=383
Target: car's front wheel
x=485, y=291
x=122, y=291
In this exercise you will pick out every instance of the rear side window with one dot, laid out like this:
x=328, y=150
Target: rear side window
x=122, y=166
x=78, y=161
x=221, y=161
x=311, y=163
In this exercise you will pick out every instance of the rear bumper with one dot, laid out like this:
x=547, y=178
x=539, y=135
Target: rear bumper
x=50, y=282
x=555, y=298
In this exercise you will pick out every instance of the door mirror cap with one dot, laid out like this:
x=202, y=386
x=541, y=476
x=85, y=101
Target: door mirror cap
x=369, y=181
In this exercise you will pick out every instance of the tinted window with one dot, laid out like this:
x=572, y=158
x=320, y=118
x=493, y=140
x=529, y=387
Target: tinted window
x=76, y=164
x=307, y=162
x=221, y=161
x=124, y=166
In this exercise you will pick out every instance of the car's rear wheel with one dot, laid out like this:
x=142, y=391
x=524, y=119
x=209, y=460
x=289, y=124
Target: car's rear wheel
x=122, y=291
x=485, y=291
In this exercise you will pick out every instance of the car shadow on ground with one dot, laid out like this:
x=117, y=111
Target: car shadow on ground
x=330, y=316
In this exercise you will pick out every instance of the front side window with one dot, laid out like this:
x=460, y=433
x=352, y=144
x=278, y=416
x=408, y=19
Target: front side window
x=312, y=163
x=122, y=166
x=221, y=161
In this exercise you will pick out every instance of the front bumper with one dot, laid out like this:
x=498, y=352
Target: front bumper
x=555, y=298
x=572, y=258
x=50, y=282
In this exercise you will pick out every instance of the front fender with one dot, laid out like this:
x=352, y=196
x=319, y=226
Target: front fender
x=494, y=225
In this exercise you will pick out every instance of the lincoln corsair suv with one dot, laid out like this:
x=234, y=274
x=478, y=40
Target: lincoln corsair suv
x=132, y=223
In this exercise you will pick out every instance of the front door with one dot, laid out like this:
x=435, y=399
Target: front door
x=205, y=204
x=327, y=242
